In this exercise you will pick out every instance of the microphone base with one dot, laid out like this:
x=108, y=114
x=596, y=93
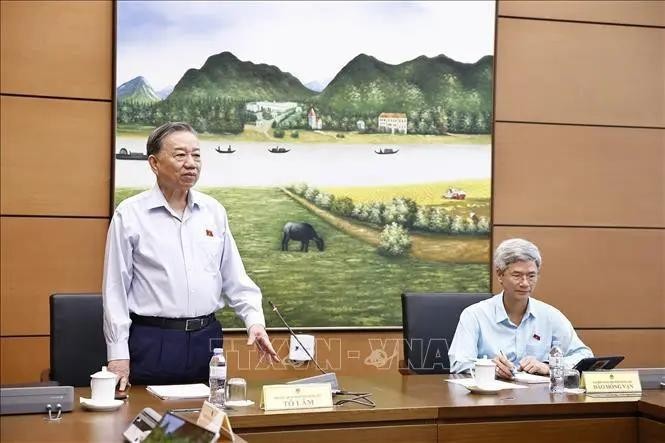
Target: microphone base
x=329, y=377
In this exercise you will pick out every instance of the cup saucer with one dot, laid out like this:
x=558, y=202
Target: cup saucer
x=238, y=403
x=94, y=405
x=574, y=390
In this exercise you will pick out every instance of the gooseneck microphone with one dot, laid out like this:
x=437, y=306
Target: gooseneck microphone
x=361, y=398
x=325, y=377
x=304, y=348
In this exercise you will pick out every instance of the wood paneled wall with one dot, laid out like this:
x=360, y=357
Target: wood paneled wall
x=55, y=166
x=579, y=162
x=579, y=168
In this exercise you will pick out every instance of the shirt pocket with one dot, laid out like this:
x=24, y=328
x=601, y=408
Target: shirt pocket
x=211, y=249
x=536, y=348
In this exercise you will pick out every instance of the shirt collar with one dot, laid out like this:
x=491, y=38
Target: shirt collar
x=531, y=309
x=193, y=199
x=156, y=198
x=500, y=314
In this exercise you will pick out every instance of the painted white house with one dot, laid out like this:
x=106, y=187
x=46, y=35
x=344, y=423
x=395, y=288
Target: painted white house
x=393, y=122
x=360, y=124
x=313, y=120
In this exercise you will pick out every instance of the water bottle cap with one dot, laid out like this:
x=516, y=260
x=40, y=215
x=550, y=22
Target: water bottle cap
x=218, y=351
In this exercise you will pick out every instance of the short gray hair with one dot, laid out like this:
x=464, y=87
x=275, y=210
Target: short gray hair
x=155, y=139
x=514, y=250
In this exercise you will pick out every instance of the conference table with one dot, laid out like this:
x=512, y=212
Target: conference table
x=409, y=408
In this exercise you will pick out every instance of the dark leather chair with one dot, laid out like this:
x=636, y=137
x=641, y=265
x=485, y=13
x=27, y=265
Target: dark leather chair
x=429, y=321
x=78, y=348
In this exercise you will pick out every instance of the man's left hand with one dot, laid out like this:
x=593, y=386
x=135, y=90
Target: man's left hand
x=259, y=337
x=533, y=366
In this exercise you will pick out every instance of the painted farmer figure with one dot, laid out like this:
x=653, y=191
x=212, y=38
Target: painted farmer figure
x=170, y=264
x=513, y=328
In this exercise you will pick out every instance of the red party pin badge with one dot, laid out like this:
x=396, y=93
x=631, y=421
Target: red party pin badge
x=536, y=336
x=209, y=233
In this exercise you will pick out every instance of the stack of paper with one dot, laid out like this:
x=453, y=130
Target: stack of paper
x=175, y=392
x=525, y=377
x=494, y=385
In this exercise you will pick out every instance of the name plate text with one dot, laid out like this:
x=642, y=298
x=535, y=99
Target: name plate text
x=304, y=396
x=611, y=382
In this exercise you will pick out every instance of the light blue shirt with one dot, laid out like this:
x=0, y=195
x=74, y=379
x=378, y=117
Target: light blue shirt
x=163, y=265
x=484, y=329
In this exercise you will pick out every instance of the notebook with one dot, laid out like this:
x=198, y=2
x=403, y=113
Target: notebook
x=174, y=392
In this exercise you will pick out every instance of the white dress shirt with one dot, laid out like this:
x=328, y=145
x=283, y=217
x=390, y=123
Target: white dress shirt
x=159, y=264
x=484, y=329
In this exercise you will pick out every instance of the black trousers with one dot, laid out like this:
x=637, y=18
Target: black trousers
x=169, y=356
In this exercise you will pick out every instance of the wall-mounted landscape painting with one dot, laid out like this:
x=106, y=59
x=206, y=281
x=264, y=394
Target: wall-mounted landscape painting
x=350, y=142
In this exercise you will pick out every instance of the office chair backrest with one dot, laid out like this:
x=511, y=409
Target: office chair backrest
x=78, y=348
x=429, y=321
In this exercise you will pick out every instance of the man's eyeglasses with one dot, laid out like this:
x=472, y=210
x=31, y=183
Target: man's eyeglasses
x=518, y=276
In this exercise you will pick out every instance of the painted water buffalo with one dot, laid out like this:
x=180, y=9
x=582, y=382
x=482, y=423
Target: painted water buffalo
x=302, y=232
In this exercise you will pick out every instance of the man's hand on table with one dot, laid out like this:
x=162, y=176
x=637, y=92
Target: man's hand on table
x=533, y=366
x=121, y=369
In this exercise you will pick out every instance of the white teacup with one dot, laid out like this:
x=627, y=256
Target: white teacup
x=483, y=372
x=102, y=385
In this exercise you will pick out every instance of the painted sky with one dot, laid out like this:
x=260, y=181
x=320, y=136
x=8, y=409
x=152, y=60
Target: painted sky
x=312, y=40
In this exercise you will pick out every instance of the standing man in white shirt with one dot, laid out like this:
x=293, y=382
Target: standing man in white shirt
x=170, y=264
x=513, y=328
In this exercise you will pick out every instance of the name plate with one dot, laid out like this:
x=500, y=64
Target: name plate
x=215, y=420
x=305, y=396
x=611, y=382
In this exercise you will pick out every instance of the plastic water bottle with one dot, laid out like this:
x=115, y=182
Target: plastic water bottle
x=217, y=378
x=556, y=368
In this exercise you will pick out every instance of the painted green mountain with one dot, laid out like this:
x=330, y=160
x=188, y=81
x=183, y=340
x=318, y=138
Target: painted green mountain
x=224, y=75
x=137, y=90
x=368, y=85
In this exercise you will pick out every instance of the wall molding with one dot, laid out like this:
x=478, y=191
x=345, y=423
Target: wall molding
x=583, y=22
x=89, y=217
x=508, y=225
x=56, y=97
x=579, y=124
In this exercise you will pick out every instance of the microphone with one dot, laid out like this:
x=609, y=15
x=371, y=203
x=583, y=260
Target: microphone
x=304, y=348
x=325, y=377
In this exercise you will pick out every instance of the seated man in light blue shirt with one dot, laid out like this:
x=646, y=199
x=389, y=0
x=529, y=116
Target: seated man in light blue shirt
x=512, y=328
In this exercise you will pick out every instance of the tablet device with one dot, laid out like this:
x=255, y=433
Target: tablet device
x=174, y=428
x=596, y=363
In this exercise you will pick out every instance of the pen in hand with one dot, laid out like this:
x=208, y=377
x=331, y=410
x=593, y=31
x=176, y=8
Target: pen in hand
x=512, y=368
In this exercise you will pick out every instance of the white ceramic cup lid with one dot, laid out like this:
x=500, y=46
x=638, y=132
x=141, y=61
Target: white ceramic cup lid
x=104, y=373
x=485, y=362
